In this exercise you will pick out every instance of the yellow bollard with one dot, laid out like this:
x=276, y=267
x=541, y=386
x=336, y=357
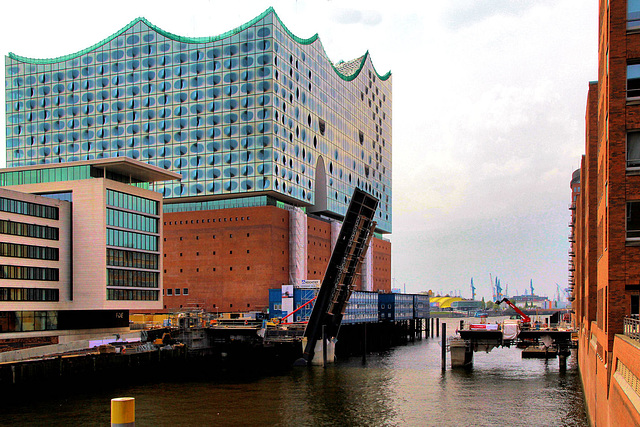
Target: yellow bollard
x=123, y=412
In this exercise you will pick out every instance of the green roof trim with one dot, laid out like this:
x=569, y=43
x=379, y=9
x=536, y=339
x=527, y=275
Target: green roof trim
x=183, y=39
x=316, y=37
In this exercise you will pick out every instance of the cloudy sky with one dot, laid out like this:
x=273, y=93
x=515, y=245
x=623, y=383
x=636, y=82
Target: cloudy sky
x=488, y=122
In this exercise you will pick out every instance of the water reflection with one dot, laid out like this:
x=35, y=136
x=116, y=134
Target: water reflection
x=404, y=386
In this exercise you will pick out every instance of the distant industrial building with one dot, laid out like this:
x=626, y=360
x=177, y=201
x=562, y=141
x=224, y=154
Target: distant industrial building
x=531, y=301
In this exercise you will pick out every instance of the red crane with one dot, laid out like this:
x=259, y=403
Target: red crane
x=525, y=318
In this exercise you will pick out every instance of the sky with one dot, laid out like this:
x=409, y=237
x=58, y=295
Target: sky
x=489, y=103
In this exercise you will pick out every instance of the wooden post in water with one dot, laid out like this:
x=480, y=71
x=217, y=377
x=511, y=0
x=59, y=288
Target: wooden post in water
x=364, y=346
x=431, y=328
x=123, y=412
x=444, y=346
x=437, y=326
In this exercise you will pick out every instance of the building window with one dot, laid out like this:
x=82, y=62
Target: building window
x=28, y=251
x=633, y=220
x=28, y=230
x=633, y=81
x=169, y=292
x=29, y=294
x=27, y=208
x=177, y=291
x=633, y=14
x=185, y=291
x=633, y=149
x=132, y=295
x=28, y=273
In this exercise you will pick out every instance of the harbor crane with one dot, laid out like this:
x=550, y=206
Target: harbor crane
x=526, y=320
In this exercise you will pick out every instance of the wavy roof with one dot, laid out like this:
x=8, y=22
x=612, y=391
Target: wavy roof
x=346, y=70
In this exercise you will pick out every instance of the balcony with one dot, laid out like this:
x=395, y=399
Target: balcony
x=632, y=327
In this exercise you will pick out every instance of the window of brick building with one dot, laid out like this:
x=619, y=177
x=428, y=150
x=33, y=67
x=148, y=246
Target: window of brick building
x=633, y=149
x=633, y=220
x=633, y=14
x=633, y=81
x=169, y=292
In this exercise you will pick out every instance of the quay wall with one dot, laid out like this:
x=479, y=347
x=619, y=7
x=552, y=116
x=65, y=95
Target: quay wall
x=624, y=392
x=611, y=387
x=96, y=368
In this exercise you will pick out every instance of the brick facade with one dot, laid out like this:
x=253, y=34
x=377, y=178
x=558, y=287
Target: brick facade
x=228, y=259
x=607, y=261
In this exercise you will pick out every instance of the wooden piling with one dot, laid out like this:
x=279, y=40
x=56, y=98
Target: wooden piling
x=444, y=346
x=364, y=346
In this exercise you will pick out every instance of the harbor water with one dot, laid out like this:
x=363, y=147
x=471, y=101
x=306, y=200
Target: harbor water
x=404, y=386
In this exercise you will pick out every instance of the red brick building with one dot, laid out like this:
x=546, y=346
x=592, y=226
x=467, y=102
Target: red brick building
x=226, y=260
x=606, y=223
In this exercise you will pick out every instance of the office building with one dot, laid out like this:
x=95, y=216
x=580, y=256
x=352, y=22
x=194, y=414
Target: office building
x=80, y=247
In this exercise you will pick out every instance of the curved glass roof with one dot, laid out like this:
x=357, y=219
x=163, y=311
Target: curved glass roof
x=346, y=70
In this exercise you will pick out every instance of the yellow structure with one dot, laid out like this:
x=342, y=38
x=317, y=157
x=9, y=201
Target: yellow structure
x=123, y=412
x=444, y=302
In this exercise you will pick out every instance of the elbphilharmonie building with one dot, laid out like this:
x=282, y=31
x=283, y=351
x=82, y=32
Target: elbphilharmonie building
x=253, y=117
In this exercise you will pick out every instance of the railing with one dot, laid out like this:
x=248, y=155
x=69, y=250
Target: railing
x=632, y=327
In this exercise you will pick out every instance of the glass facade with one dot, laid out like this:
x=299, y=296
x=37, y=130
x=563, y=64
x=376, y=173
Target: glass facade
x=132, y=247
x=256, y=109
x=26, y=321
x=120, y=258
x=70, y=173
x=243, y=202
x=131, y=202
